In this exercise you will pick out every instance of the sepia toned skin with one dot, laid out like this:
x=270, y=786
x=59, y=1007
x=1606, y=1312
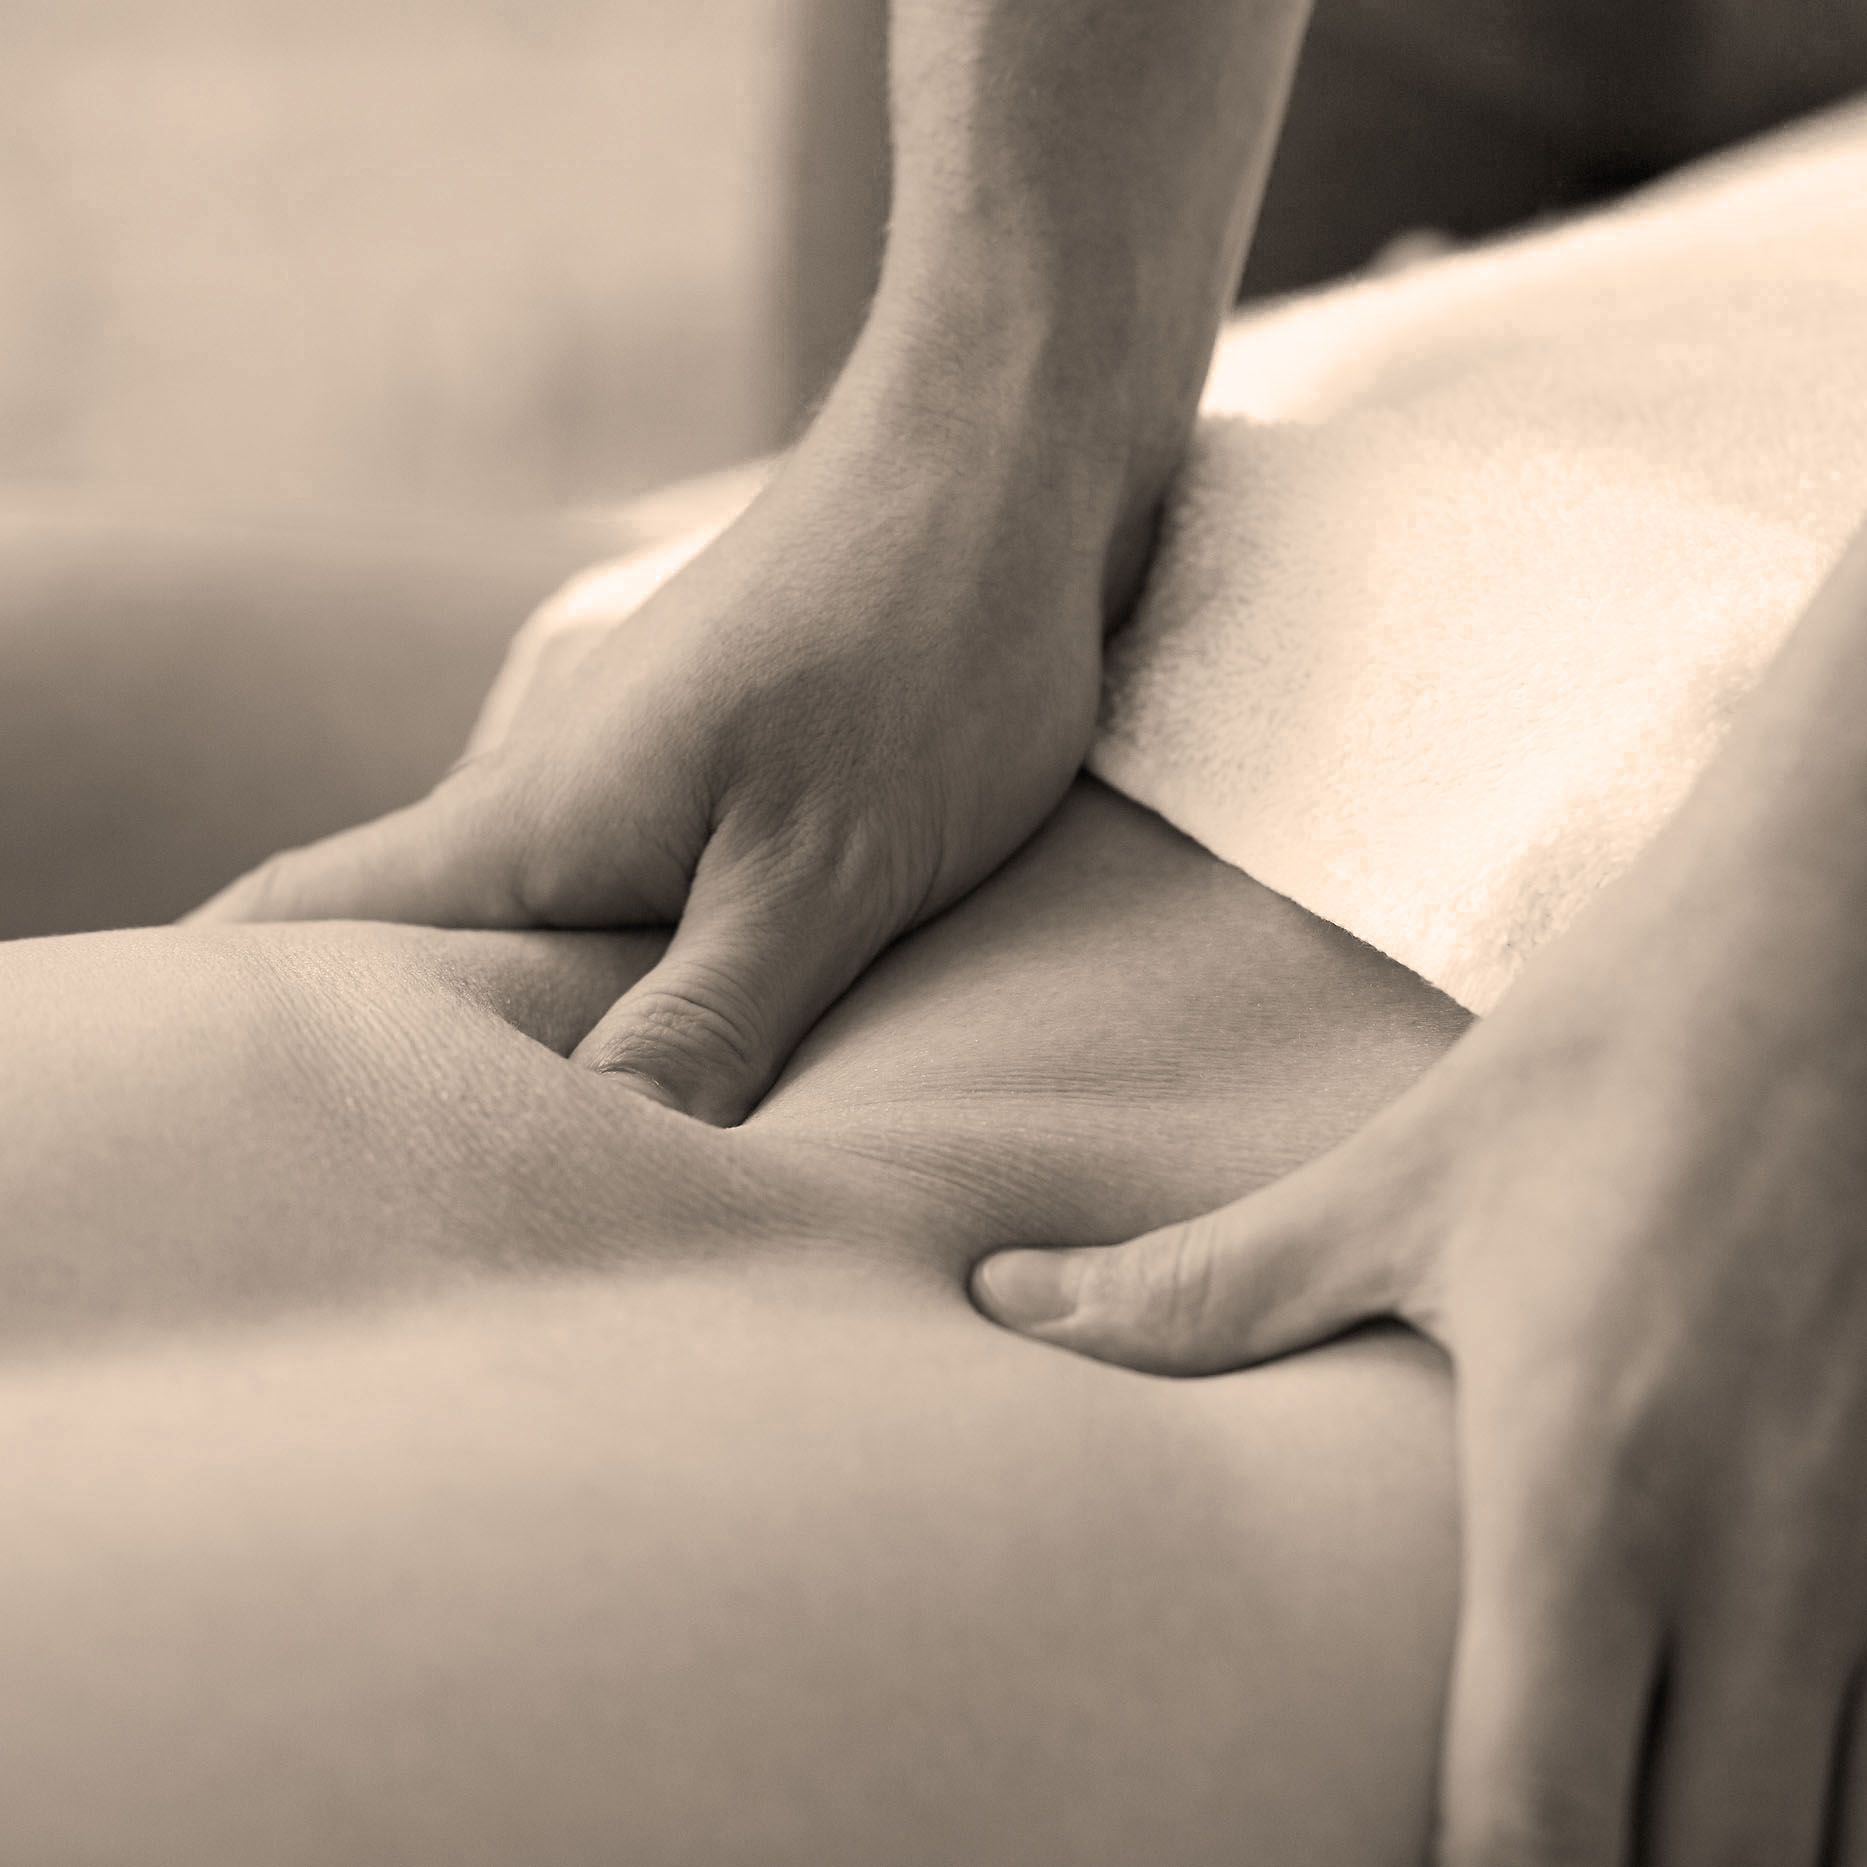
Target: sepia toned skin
x=421, y=1449
x=1629, y=1206
x=877, y=682
x=1632, y=1207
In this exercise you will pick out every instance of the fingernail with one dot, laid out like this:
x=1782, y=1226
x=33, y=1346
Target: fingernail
x=1026, y=1289
x=649, y=1088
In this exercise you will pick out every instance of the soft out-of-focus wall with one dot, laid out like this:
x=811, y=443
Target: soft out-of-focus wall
x=389, y=254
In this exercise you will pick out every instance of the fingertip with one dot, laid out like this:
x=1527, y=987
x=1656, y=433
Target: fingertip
x=709, y=1028
x=650, y=1088
x=650, y=1066
x=1026, y=1290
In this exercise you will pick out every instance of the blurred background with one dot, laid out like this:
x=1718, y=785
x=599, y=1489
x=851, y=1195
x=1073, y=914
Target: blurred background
x=434, y=253
x=454, y=256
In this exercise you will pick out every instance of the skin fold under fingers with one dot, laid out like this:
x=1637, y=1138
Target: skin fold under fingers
x=488, y=1464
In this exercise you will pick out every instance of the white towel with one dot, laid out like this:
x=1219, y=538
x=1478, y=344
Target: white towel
x=1468, y=567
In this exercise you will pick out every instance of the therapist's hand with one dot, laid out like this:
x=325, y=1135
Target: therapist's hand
x=846, y=711
x=1632, y=1206
x=1643, y=1241
x=869, y=691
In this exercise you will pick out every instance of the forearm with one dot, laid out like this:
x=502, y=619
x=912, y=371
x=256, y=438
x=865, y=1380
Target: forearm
x=1075, y=185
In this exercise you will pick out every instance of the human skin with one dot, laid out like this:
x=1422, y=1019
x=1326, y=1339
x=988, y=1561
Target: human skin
x=1632, y=1206
x=879, y=680
x=788, y=752
x=420, y=1450
x=424, y=1450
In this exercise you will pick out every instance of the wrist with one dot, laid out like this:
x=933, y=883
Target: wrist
x=1049, y=407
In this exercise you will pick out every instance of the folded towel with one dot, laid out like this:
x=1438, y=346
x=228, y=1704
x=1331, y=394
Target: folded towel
x=1468, y=566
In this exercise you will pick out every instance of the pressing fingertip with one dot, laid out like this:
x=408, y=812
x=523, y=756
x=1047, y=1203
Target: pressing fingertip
x=1027, y=1289
x=651, y=1088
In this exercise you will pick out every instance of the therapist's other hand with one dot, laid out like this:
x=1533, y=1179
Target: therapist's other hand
x=846, y=711
x=1632, y=1207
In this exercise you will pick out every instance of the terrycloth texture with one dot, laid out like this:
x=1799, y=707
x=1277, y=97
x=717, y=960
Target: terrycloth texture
x=1468, y=567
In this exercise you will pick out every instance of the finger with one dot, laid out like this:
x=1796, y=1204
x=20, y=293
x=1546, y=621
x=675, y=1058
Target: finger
x=451, y=860
x=1279, y=1270
x=1557, y=1661
x=467, y=855
x=1742, y=1753
x=756, y=960
x=1744, y=1758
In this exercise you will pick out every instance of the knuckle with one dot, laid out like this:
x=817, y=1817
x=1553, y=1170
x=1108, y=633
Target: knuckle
x=1166, y=1288
x=544, y=890
x=1191, y=1293
x=1625, y=1478
x=672, y=1029
x=838, y=840
x=571, y=867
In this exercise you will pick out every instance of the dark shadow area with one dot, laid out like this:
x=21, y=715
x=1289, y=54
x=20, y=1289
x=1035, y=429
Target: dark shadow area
x=1472, y=116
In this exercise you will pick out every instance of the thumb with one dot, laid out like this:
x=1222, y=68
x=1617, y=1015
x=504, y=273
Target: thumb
x=1279, y=1270
x=752, y=966
x=448, y=861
